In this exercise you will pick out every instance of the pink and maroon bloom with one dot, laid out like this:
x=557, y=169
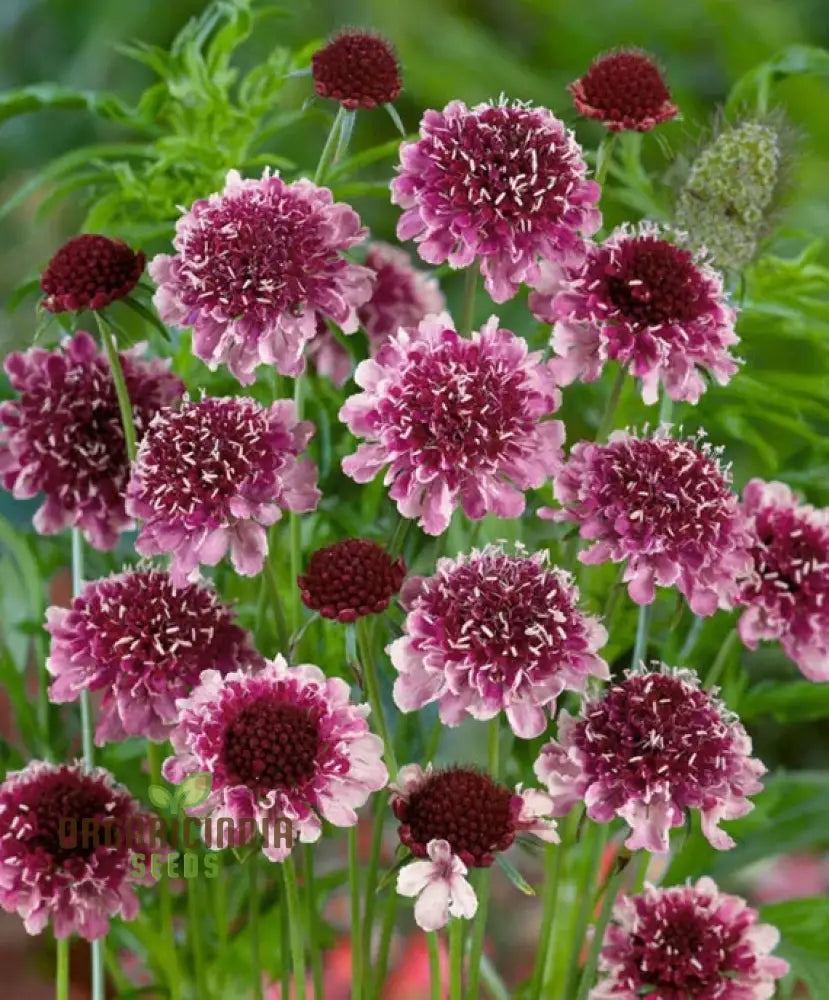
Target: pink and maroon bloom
x=493, y=632
x=786, y=592
x=459, y=818
x=90, y=272
x=281, y=744
x=50, y=873
x=647, y=302
x=253, y=268
x=625, y=91
x=687, y=941
x=351, y=579
x=358, y=69
x=663, y=506
x=458, y=422
x=143, y=643
x=212, y=475
x=647, y=750
x=501, y=184
x=63, y=436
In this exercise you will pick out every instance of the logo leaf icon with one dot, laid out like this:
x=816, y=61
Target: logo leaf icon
x=194, y=790
x=160, y=797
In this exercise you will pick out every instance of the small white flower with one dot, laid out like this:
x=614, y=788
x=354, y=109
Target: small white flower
x=440, y=887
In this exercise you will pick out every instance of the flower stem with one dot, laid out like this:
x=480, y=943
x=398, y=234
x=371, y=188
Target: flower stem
x=555, y=855
x=62, y=969
x=253, y=913
x=585, y=893
x=456, y=958
x=295, y=543
x=272, y=584
x=330, y=147
x=294, y=918
x=604, y=157
x=314, y=955
x=435, y=985
x=356, y=928
x=371, y=875
x=124, y=404
x=719, y=664
x=373, y=693
x=468, y=306
x=640, y=645
x=589, y=972
x=386, y=932
x=194, y=930
x=606, y=425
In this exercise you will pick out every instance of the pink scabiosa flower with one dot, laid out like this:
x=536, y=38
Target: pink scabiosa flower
x=144, y=644
x=402, y=295
x=90, y=272
x=351, y=579
x=624, y=91
x=283, y=744
x=458, y=818
x=456, y=420
x=358, y=69
x=687, y=941
x=645, y=301
x=327, y=354
x=649, y=748
x=492, y=632
x=211, y=475
x=48, y=870
x=664, y=506
x=786, y=593
x=254, y=266
x=502, y=183
x=63, y=436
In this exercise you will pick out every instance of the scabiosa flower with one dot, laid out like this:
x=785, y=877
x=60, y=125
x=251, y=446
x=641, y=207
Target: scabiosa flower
x=786, y=593
x=647, y=749
x=63, y=436
x=456, y=420
x=491, y=632
x=48, y=870
x=624, y=91
x=358, y=69
x=90, y=272
x=283, y=743
x=458, y=818
x=402, y=295
x=144, y=643
x=254, y=266
x=327, y=354
x=210, y=475
x=687, y=941
x=350, y=579
x=647, y=302
x=504, y=183
x=665, y=507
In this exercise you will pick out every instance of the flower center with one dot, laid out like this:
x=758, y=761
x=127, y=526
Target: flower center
x=358, y=70
x=64, y=801
x=464, y=807
x=651, y=282
x=355, y=577
x=90, y=270
x=272, y=745
x=655, y=730
x=625, y=85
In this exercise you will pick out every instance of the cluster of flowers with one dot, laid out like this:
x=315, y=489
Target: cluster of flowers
x=457, y=420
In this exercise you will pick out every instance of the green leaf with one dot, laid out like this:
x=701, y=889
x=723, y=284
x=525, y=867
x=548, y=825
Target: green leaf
x=792, y=701
x=803, y=927
x=514, y=875
x=148, y=315
x=754, y=86
x=40, y=96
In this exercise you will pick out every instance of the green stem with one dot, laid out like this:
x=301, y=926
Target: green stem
x=330, y=147
x=492, y=755
x=314, y=954
x=356, y=928
x=219, y=894
x=395, y=546
x=294, y=917
x=386, y=932
x=719, y=664
x=124, y=404
x=604, y=157
x=666, y=409
x=380, y=802
x=253, y=912
x=62, y=969
x=456, y=959
x=373, y=693
x=555, y=855
x=194, y=929
x=589, y=972
x=468, y=305
x=270, y=581
x=606, y=425
x=435, y=985
x=585, y=894
x=295, y=529
x=640, y=646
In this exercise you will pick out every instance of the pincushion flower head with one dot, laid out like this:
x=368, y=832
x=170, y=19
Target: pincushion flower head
x=647, y=749
x=90, y=272
x=458, y=421
x=63, y=436
x=282, y=744
x=351, y=579
x=687, y=941
x=358, y=69
x=144, y=643
x=253, y=268
x=458, y=818
x=492, y=632
x=624, y=90
x=210, y=475
x=49, y=872
x=503, y=184
x=786, y=592
x=646, y=300
x=663, y=506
